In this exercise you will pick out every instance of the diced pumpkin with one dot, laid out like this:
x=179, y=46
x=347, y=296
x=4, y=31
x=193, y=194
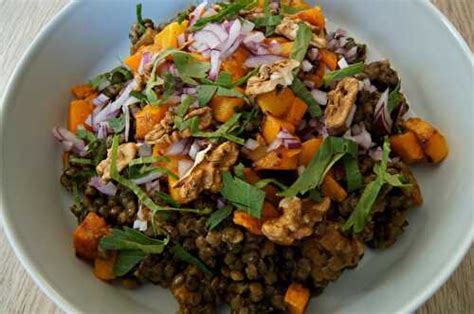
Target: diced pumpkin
x=277, y=103
x=329, y=58
x=422, y=129
x=172, y=165
x=270, y=191
x=285, y=46
x=147, y=118
x=82, y=91
x=436, y=149
x=104, y=267
x=251, y=176
x=168, y=37
x=297, y=110
x=406, y=146
x=309, y=148
x=272, y=126
x=133, y=61
x=296, y=298
x=174, y=192
x=87, y=235
x=332, y=189
x=235, y=63
x=223, y=108
x=313, y=16
x=252, y=224
x=300, y=4
x=279, y=159
x=79, y=110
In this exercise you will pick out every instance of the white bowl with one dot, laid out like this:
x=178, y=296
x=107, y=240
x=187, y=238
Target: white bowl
x=437, y=74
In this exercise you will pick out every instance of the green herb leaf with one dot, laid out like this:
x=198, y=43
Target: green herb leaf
x=188, y=66
x=81, y=161
x=285, y=9
x=224, y=131
x=315, y=195
x=148, y=160
x=302, y=92
x=226, y=92
x=76, y=197
x=86, y=135
x=301, y=44
x=139, y=15
x=130, y=239
x=245, y=78
x=138, y=95
x=184, y=106
x=167, y=199
x=187, y=257
x=205, y=93
x=224, y=79
x=99, y=80
x=126, y=260
x=331, y=150
x=239, y=171
x=351, y=70
x=394, y=98
x=117, y=124
x=227, y=12
x=242, y=195
x=353, y=175
x=264, y=182
x=218, y=216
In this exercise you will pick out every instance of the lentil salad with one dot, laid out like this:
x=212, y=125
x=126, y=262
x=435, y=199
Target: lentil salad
x=242, y=155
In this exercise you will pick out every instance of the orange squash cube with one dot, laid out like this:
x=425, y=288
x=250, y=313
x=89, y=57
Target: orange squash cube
x=147, y=118
x=406, y=146
x=87, y=235
x=277, y=103
x=272, y=126
x=309, y=149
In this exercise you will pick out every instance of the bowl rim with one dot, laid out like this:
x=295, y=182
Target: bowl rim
x=10, y=231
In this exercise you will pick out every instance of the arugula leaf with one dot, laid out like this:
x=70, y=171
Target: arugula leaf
x=301, y=44
x=218, y=216
x=86, y=135
x=394, y=98
x=99, y=80
x=351, y=70
x=81, y=161
x=264, y=182
x=148, y=160
x=302, y=92
x=188, y=66
x=353, y=176
x=117, y=124
x=242, y=195
x=130, y=239
x=181, y=110
x=360, y=215
x=187, y=257
x=126, y=260
x=331, y=150
x=205, y=93
x=227, y=12
x=224, y=131
x=224, y=79
x=169, y=86
x=168, y=199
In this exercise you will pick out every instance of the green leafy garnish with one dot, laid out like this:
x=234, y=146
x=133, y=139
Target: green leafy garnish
x=181, y=112
x=140, y=22
x=350, y=70
x=264, y=182
x=227, y=92
x=148, y=160
x=117, y=124
x=227, y=12
x=205, y=93
x=86, y=135
x=76, y=197
x=218, y=216
x=302, y=92
x=394, y=98
x=138, y=95
x=331, y=150
x=353, y=176
x=245, y=78
x=224, y=79
x=130, y=239
x=239, y=171
x=301, y=44
x=225, y=131
x=81, y=161
x=359, y=217
x=285, y=9
x=118, y=75
x=167, y=199
x=126, y=260
x=187, y=257
x=268, y=20
x=242, y=195
x=188, y=66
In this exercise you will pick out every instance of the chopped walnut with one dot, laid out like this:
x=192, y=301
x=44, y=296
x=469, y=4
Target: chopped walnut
x=297, y=221
x=164, y=131
x=330, y=252
x=270, y=76
x=208, y=174
x=288, y=27
x=340, y=104
x=126, y=153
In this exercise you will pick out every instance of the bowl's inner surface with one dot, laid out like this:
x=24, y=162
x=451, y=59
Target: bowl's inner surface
x=86, y=40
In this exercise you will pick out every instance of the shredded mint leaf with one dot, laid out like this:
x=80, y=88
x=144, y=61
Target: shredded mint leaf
x=264, y=182
x=245, y=78
x=394, y=98
x=353, y=176
x=224, y=79
x=226, y=92
x=302, y=92
x=218, y=216
x=243, y=195
x=301, y=43
x=188, y=66
x=239, y=171
x=205, y=93
x=224, y=131
x=226, y=13
x=351, y=70
x=187, y=257
x=130, y=239
x=86, y=135
x=117, y=124
x=167, y=199
x=331, y=150
x=126, y=260
x=148, y=160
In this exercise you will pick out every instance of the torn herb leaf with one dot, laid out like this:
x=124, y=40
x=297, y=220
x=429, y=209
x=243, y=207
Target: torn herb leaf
x=350, y=70
x=187, y=257
x=301, y=43
x=227, y=12
x=130, y=239
x=148, y=160
x=167, y=199
x=353, y=176
x=218, y=216
x=205, y=93
x=188, y=66
x=127, y=260
x=117, y=124
x=394, y=98
x=264, y=182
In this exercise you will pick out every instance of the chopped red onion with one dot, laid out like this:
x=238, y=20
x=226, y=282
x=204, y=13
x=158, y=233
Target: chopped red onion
x=363, y=139
x=234, y=33
x=350, y=117
x=209, y=39
x=220, y=203
x=309, y=84
x=181, y=39
x=148, y=178
x=313, y=54
x=102, y=130
x=256, y=61
x=141, y=225
x=189, y=91
x=320, y=96
x=105, y=188
x=381, y=113
x=215, y=64
x=177, y=148
x=145, y=150
x=247, y=27
x=255, y=37
x=218, y=30
x=69, y=141
x=306, y=66
x=153, y=186
x=100, y=100
x=146, y=58
x=251, y=144
x=113, y=108
x=284, y=138
x=342, y=63
x=351, y=54
x=196, y=14
x=376, y=154
x=183, y=167
x=195, y=148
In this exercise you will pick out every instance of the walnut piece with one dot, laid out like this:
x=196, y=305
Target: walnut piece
x=270, y=76
x=126, y=153
x=297, y=221
x=340, y=103
x=208, y=174
x=165, y=133
x=288, y=27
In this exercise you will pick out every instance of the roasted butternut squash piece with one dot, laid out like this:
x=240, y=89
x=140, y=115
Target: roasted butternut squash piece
x=104, y=267
x=252, y=224
x=147, y=118
x=87, y=235
x=79, y=110
x=296, y=298
x=168, y=37
x=133, y=61
x=313, y=16
x=272, y=126
x=235, y=63
x=297, y=110
x=436, y=149
x=329, y=58
x=422, y=129
x=223, y=108
x=279, y=159
x=406, y=146
x=308, y=149
x=300, y=4
x=277, y=103
x=270, y=191
x=317, y=76
x=332, y=189
x=82, y=91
